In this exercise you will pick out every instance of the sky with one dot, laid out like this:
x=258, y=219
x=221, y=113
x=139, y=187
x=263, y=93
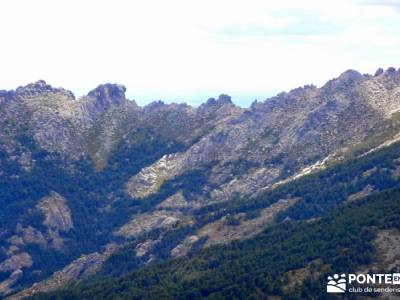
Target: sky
x=188, y=51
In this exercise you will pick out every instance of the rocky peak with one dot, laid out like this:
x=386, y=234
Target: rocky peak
x=391, y=73
x=41, y=87
x=38, y=86
x=348, y=76
x=107, y=95
x=390, y=78
x=346, y=80
x=378, y=72
x=390, y=70
x=222, y=100
x=215, y=104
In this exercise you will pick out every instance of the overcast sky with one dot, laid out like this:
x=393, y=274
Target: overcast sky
x=187, y=51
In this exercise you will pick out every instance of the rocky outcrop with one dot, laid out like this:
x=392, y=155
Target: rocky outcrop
x=231, y=228
x=78, y=269
x=31, y=236
x=13, y=265
x=222, y=232
x=144, y=248
x=184, y=248
x=176, y=201
x=5, y=286
x=143, y=223
x=16, y=262
x=106, y=96
x=149, y=179
x=57, y=217
x=367, y=190
x=382, y=92
x=56, y=212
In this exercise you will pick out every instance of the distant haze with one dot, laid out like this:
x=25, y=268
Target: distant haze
x=187, y=51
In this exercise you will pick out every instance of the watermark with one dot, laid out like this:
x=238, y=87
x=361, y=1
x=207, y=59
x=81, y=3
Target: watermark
x=336, y=284
x=363, y=283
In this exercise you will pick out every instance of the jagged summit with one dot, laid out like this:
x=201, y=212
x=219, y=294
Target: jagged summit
x=388, y=72
x=345, y=80
x=222, y=100
x=378, y=72
x=38, y=86
x=391, y=70
x=109, y=94
x=41, y=87
x=213, y=104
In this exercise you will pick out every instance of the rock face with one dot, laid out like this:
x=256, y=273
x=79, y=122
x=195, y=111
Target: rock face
x=280, y=137
x=16, y=262
x=144, y=223
x=55, y=119
x=94, y=125
x=149, y=179
x=30, y=235
x=56, y=212
x=107, y=95
x=57, y=217
x=143, y=248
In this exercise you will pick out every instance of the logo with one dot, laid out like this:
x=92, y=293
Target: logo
x=364, y=283
x=336, y=284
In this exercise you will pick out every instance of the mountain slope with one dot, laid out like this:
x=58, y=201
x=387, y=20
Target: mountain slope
x=344, y=184
x=85, y=181
x=342, y=241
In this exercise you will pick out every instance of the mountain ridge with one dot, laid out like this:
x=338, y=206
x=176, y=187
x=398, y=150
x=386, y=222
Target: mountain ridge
x=158, y=177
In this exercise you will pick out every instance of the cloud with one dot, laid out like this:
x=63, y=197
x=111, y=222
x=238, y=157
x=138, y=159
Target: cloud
x=298, y=28
x=191, y=50
x=390, y=3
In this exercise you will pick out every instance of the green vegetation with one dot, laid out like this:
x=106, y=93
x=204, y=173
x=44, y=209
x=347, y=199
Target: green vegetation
x=319, y=193
x=255, y=268
x=88, y=192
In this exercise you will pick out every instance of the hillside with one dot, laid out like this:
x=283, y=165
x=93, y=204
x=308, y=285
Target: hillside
x=287, y=261
x=342, y=239
x=98, y=187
